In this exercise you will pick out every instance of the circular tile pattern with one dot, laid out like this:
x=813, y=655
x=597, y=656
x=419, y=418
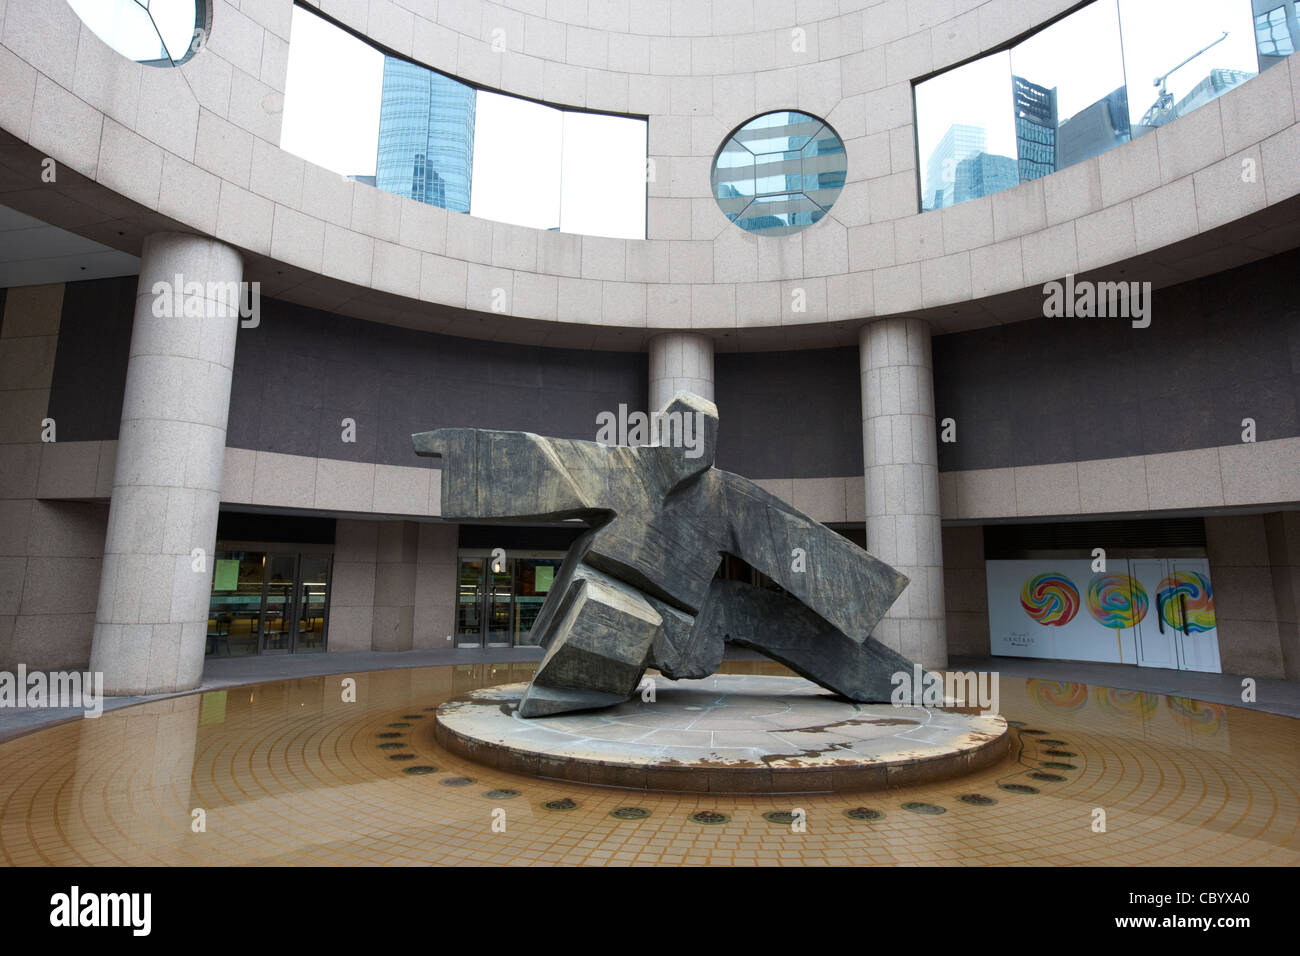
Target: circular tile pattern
x=864, y=814
x=629, y=813
x=401, y=756
x=389, y=746
x=560, y=805
x=420, y=769
x=1031, y=730
x=502, y=794
x=1018, y=788
x=1060, y=753
x=1189, y=799
x=398, y=724
x=1051, y=741
x=1058, y=765
x=710, y=818
x=413, y=716
x=928, y=809
x=458, y=781
x=977, y=800
x=1049, y=777
x=387, y=735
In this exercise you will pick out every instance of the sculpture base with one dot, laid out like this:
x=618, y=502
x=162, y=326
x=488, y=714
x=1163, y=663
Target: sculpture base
x=728, y=733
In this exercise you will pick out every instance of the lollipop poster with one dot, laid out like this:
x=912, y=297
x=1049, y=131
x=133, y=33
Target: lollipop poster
x=1146, y=611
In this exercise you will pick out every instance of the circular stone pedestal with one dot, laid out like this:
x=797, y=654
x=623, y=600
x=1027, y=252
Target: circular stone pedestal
x=725, y=734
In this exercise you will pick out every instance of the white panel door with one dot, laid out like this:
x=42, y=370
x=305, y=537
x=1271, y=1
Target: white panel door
x=1156, y=639
x=1190, y=607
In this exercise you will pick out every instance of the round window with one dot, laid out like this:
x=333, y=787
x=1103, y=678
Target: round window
x=154, y=32
x=779, y=173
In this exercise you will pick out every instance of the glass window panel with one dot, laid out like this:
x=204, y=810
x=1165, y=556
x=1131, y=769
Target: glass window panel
x=235, y=607
x=517, y=161
x=1069, y=96
x=603, y=176
x=779, y=173
x=332, y=97
x=469, y=601
x=280, y=587
x=412, y=131
x=160, y=32
x=426, y=136
x=1275, y=32
x=1181, y=54
x=965, y=131
x=533, y=582
x=313, y=603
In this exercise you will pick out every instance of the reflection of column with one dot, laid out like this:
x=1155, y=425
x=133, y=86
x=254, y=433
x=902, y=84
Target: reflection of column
x=130, y=789
x=680, y=361
x=900, y=455
x=151, y=623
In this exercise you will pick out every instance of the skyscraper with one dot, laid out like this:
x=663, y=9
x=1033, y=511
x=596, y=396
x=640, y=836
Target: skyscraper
x=960, y=142
x=1035, y=129
x=426, y=136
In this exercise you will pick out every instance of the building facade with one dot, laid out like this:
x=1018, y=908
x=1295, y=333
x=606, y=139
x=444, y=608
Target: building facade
x=239, y=479
x=426, y=136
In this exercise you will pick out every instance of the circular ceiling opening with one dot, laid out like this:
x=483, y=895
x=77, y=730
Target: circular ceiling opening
x=779, y=173
x=153, y=32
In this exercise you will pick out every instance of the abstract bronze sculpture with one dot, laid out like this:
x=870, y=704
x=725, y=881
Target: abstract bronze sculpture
x=638, y=588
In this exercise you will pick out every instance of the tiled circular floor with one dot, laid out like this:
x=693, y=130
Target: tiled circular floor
x=290, y=773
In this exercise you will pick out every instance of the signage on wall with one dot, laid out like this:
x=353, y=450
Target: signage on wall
x=1154, y=612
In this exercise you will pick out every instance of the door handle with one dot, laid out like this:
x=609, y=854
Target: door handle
x=1182, y=610
x=1160, y=607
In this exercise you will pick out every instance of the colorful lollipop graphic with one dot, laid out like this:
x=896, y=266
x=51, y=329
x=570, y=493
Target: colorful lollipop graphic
x=1196, y=715
x=1129, y=703
x=1186, y=592
x=1116, y=600
x=1058, y=696
x=1050, y=599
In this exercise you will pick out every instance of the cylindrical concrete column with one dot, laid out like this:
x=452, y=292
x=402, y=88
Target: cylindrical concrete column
x=901, y=465
x=680, y=361
x=151, y=623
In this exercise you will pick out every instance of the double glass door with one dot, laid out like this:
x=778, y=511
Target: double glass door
x=498, y=599
x=268, y=602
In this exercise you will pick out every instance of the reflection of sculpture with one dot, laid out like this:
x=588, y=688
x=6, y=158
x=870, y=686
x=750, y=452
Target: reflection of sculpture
x=638, y=590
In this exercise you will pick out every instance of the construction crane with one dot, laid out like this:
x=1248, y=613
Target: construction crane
x=1158, y=113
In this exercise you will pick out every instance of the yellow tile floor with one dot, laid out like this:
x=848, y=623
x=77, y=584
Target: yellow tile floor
x=290, y=773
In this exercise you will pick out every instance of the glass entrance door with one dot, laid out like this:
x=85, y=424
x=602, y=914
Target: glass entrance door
x=497, y=605
x=278, y=610
x=268, y=602
x=469, y=603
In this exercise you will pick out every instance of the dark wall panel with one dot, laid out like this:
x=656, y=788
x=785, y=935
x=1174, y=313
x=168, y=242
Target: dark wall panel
x=1218, y=350
x=302, y=371
x=90, y=361
x=789, y=414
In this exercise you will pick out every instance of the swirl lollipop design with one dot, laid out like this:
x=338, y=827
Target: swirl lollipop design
x=1186, y=592
x=1117, y=601
x=1058, y=696
x=1050, y=599
x=1129, y=703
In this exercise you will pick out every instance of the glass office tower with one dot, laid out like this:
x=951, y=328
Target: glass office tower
x=426, y=136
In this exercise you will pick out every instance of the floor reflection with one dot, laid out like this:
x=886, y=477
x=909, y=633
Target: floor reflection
x=343, y=770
